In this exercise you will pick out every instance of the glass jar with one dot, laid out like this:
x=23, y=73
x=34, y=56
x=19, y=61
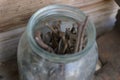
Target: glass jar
x=37, y=64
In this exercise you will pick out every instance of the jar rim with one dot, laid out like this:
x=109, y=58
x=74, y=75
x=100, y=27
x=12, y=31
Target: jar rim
x=54, y=57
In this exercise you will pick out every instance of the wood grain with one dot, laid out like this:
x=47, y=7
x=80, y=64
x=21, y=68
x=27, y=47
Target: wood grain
x=18, y=12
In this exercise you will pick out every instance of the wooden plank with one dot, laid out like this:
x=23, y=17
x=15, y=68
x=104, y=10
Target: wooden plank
x=9, y=70
x=9, y=42
x=19, y=13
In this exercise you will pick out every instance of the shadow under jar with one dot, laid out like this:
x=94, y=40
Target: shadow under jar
x=36, y=63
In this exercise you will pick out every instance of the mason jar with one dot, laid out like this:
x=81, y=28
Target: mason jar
x=36, y=63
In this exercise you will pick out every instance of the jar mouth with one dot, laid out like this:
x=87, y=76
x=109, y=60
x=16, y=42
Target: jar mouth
x=63, y=10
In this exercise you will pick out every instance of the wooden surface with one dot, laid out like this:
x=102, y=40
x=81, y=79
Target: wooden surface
x=9, y=70
x=109, y=53
x=17, y=12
